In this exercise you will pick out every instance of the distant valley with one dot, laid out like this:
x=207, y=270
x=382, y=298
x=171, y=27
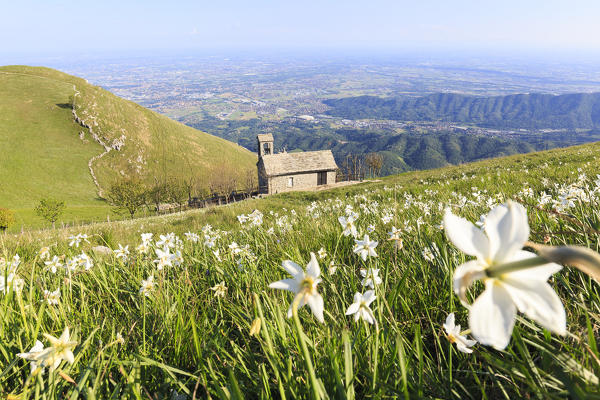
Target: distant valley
x=416, y=113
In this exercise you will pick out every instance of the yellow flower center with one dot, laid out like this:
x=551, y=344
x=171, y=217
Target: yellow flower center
x=307, y=284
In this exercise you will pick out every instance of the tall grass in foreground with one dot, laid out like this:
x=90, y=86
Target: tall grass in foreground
x=209, y=326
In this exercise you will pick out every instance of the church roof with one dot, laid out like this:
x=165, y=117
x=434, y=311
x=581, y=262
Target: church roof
x=292, y=163
x=265, y=137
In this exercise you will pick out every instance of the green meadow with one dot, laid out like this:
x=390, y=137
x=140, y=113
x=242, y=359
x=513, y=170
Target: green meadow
x=204, y=323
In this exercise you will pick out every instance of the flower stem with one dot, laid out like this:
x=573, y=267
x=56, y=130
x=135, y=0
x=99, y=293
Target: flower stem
x=496, y=271
x=144, y=324
x=336, y=246
x=309, y=366
x=376, y=360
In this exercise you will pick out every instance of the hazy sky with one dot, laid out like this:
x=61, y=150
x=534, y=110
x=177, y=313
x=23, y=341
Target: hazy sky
x=45, y=26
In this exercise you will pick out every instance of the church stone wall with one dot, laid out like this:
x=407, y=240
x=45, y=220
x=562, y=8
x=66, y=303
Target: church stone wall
x=279, y=184
x=331, y=175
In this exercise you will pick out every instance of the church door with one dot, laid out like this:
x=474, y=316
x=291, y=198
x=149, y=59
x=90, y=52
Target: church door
x=321, y=178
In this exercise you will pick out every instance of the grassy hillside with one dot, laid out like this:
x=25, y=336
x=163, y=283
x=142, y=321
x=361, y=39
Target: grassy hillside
x=195, y=332
x=41, y=150
x=46, y=152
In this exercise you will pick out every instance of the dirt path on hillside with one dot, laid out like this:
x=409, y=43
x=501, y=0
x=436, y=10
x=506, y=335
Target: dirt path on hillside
x=107, y=148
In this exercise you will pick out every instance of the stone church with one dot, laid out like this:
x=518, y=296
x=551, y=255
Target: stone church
x=284, y=172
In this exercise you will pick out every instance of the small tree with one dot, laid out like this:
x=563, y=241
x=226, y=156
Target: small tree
x=127, y=196
x=158, y=193
x=50, y=209
x=251, y=182
x=353, y=167
x=375, y=162
x=178, y=192
x=225, y=182
x=7, y=218
x=191, y=185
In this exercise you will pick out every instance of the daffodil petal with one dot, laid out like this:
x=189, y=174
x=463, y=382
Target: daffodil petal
x=537, y=300
x=507, y=228
x=315, y=302
x=312, y=268
x=69, y=356
x=368, y=316
x=449, y=324
x=369, y=297
x=467, y=237
x=292, y=268
x=492, y=316
x=465, y=274
x=353, y=309
x=285, y=284
x=463, y=348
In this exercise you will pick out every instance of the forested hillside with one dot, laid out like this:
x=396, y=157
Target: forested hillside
x=401, y=151
x=533, y=111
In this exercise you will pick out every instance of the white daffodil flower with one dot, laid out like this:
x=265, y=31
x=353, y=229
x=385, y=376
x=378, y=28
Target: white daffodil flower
x=122, y=252
x=52, y=298
x=371, y=277
x=177, y=258
x=427, y=254
x=75, y=240
x=322, y=253
x=166, y=241
x=11, y=280
x=147, y=286
x=143, y=248
x=60, y=349
x=360, y=307
x=304, y=285
x=44, y=253
x=394, y=234
x=348, y=225
x=365, y=247
x=31, y=354
x=234, y=248
x=163, y=258
x=454, y=336
x=220, y=289
x=54, y=264
x=85, y=261
x=146, y=238
x=514, y=279
x=192, y=237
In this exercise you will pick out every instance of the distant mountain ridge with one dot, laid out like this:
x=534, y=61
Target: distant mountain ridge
x=528, y=111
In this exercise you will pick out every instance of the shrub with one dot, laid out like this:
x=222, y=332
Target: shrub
x=7, y=218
